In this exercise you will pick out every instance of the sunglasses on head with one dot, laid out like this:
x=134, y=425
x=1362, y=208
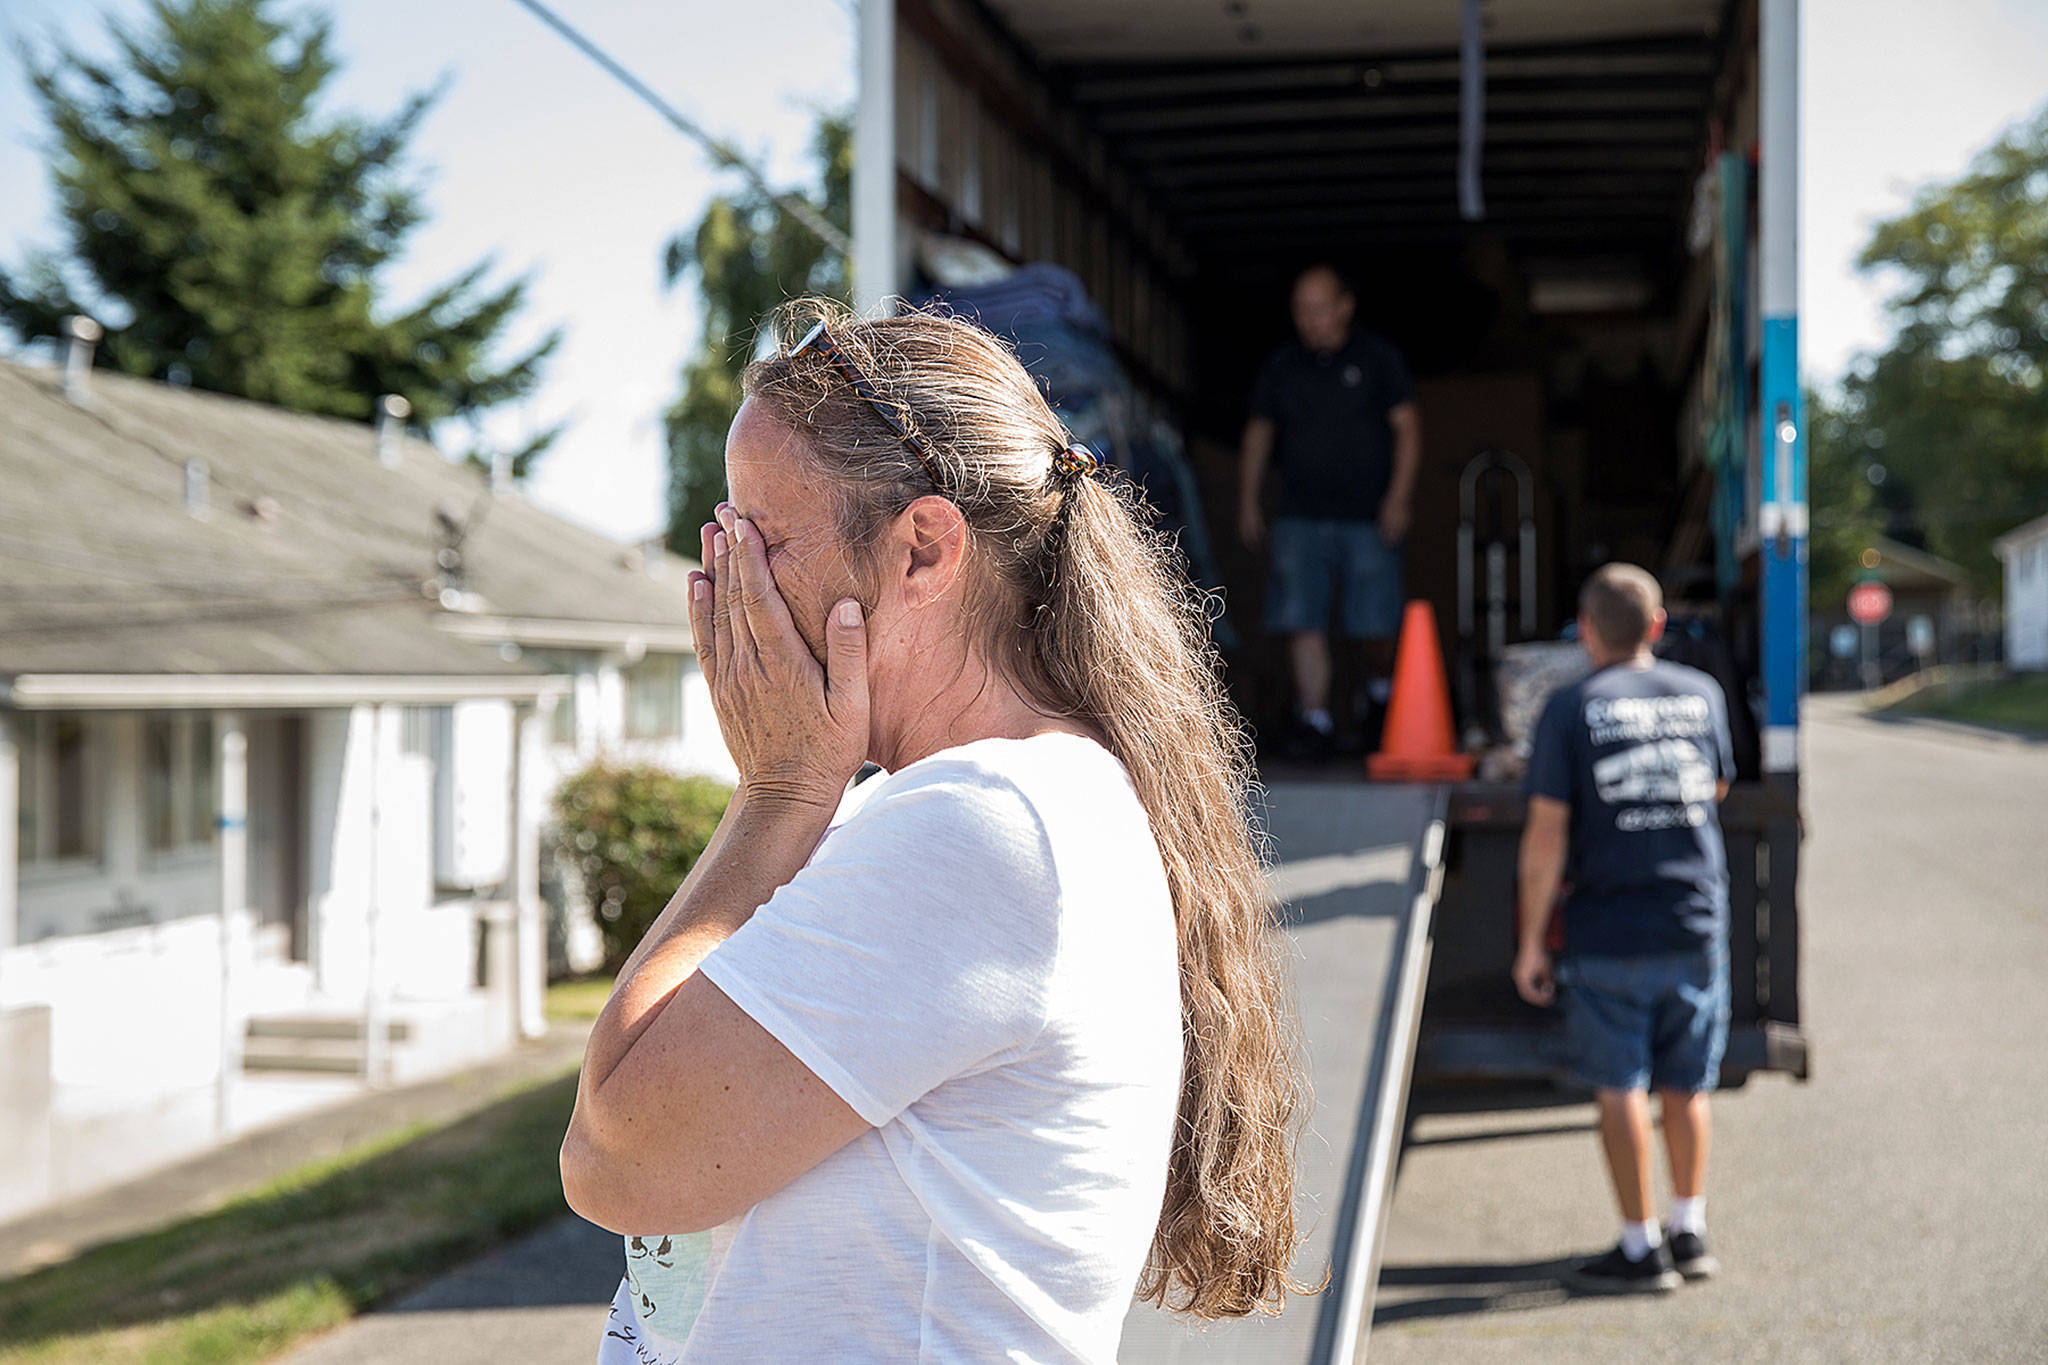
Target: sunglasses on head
x=820, y=341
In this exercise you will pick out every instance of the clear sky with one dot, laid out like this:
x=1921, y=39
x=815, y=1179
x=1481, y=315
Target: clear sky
x=535, y=157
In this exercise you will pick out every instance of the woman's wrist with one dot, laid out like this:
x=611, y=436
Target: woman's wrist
x=786, y=799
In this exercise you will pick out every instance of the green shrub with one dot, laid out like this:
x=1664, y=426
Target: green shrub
x=634, y=831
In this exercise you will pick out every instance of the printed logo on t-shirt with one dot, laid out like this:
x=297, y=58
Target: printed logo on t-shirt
x=1665, y=778
x=1666, y=783
x=1352, y=376
x=1640, y=755
x=1612, y=720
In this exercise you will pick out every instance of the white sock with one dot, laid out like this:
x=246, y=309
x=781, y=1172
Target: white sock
x=1637, y=1239
x=1319, y=720
x=1689, y=1215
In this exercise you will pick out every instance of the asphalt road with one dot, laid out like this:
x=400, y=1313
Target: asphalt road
x=1895, y=1207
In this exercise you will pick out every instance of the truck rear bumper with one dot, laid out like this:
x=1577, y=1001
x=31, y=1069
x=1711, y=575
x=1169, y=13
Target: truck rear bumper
x=1452, y=1053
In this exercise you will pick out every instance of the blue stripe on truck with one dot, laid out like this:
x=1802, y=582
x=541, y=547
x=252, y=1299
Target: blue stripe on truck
x=1782, y=523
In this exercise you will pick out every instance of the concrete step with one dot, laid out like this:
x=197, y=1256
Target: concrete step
x=288, y=1053
x=421, y=1037
x=323, y=1026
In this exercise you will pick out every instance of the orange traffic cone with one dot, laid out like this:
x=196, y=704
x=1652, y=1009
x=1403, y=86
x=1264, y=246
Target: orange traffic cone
x=1416, y=743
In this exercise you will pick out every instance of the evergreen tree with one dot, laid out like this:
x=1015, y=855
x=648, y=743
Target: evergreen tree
x=229, y=235
x=748, y=257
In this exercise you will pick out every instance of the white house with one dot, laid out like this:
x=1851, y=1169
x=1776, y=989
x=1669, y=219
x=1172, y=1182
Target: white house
x=282, y=703
x=2024, y=552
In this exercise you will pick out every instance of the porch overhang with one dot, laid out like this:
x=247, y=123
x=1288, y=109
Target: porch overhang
x=630, y=638
x=195, y=691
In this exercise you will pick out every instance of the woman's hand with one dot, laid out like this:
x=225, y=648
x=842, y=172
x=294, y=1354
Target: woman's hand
x=797, y=732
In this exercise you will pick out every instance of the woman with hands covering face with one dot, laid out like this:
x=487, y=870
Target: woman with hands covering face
x=952, y=1076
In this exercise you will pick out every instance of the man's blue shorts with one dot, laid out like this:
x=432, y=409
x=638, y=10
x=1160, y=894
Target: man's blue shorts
x=1652, y=1022
x=1314, y=559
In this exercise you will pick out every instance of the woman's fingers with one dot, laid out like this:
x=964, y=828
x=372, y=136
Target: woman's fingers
x=701, y=609
x=846, y=654
x=721, y=601
x=699, y=589
x=766, y=615
x=787, y=716
x=732, y=591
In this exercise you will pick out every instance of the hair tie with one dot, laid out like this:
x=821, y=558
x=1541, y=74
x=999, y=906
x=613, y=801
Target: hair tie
x=1076, y=460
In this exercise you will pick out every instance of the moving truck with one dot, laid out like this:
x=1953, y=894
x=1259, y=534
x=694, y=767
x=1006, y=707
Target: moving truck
x=1575, y=217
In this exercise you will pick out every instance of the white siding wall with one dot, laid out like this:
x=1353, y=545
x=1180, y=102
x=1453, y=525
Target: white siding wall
x=365, y=784
x=600, y=692
x=350, y=881
x=703, y=748
x=2026, y=603
x=130, y=1008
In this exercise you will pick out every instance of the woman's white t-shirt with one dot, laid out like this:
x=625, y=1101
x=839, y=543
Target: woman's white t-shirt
x=981, y=961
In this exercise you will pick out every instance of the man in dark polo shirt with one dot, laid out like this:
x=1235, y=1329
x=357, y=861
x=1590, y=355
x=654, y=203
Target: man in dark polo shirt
x=1626, y=774
x=1334, y=409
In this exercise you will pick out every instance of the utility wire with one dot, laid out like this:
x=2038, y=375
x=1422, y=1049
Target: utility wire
x=721, y=152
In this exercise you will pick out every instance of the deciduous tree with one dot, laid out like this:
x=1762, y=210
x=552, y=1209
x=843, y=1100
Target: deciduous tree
x=1953, y=412
x=746, y=257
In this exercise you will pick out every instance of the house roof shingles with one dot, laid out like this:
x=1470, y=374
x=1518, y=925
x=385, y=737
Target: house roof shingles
x=103, y=571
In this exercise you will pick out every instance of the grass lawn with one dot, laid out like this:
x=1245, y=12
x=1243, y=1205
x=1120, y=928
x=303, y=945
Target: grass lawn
x=582, y=997
x=2018, y=702
x=304, y=1253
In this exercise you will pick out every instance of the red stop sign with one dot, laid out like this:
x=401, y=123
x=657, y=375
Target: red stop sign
x=1869, y=603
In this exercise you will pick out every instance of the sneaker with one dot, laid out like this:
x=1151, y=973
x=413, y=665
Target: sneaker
x=1689, y=1255
x=1615, y=1273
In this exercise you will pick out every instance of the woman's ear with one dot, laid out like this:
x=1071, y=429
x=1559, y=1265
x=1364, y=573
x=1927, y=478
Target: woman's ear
x=931, y=537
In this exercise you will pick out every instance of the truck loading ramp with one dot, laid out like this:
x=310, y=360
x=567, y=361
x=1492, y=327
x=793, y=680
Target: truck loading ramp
x=1356, y=868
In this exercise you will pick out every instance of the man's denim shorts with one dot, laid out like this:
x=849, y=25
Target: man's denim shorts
x=1314, y=559
x=1638, y=1023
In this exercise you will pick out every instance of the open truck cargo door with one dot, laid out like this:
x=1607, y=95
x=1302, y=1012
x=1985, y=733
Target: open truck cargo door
x=1580, y=226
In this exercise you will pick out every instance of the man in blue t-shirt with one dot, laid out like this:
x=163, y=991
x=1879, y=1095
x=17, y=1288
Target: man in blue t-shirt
x=1625, y=777
x=1334, y=410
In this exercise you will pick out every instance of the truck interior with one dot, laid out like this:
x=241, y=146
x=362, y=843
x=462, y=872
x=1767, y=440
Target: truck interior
x=1565, y=314
x=1548, y=205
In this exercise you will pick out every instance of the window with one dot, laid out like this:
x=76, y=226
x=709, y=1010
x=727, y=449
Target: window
x=178, y=782
x=562, y=729
x=654, y=697
x=416, y=730
x=60, y=788
x=562, y=726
